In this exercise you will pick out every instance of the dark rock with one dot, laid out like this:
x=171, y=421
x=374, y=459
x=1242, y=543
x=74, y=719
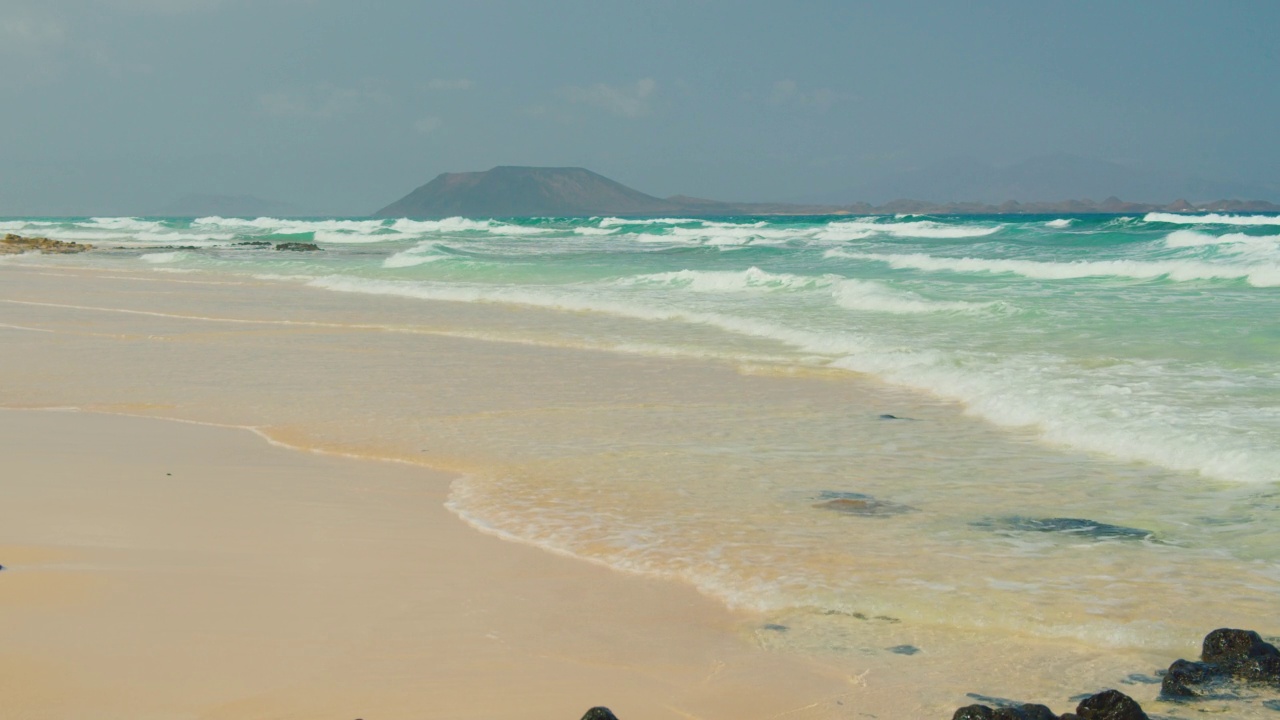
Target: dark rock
x=1272, y=705
x=298, y=246
x=1110, y=705
x=1259, y=669
x=887, y=416
x=1035, y=712
x=904, y=649
x=775, y=627
x=1227, y=655
x=851, y=503
x=1012, y=712
x=1187, y=679
x=599, y=713
x=254, y=243
x=1232, y=647
x=1074, y=526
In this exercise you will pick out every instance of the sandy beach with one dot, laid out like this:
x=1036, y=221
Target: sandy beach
x=234, y=497
x=157, y=569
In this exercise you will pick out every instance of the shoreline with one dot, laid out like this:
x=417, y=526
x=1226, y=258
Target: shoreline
x=125, y=570
x=467, y=388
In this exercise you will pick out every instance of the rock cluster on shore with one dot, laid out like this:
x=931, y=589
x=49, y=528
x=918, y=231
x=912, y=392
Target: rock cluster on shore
x=14, y=244
x=1106, y=705
x=1229, y=659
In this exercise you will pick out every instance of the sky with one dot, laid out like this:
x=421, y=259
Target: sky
x=342, y=106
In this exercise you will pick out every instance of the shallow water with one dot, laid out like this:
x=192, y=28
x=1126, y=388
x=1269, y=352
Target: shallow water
x=687, y=398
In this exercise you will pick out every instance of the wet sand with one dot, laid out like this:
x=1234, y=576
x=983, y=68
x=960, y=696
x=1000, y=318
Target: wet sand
x=157, y=569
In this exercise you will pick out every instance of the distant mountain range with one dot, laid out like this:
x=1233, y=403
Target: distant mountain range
x=510, y=191
x=1047, y=177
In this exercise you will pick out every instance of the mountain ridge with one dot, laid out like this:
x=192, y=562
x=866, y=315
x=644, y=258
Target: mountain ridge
x=527, y=191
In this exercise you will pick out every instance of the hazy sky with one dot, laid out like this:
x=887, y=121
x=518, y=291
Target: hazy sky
x=341, y=106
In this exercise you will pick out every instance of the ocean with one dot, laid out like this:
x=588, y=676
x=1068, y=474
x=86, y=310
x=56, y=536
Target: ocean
x=1032, y=429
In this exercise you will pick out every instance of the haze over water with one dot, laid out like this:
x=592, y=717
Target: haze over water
x=1120, y=370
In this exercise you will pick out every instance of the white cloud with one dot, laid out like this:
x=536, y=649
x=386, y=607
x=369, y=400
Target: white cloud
x=320, y=101
x=789, y=92
x=626, y=100
x=427, y=125
x=447, y=84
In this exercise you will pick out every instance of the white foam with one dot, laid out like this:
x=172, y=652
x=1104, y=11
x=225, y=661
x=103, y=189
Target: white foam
x=614, y=221
x=453, y=224
x=1060, y=223
x=1042, y=391
x=752, y=279
x=164, y=257
x=417, y=255
x=927, y=229
x=1258, y=275
x=1253, y=247
x=869, y=295
x=727, y=234
x=1211, y=219
x=292, y=227
x=594, y=231
x=127, y=224
x=828, y=343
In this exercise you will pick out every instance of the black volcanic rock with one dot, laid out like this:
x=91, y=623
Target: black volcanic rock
x=509, y=191
x=1110, y=705
x=1227, y=656
x=1234, y=647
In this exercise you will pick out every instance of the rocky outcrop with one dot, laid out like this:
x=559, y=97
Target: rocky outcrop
x=14, y=244
x=1227, y=657
x=1106, y=705
x=599, y=713
x=298, y=247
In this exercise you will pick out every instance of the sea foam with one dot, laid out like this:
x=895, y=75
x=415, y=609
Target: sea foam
x=1211, y=219
x=1258, y=275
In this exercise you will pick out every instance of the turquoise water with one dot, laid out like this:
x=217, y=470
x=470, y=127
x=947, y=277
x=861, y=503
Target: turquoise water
x=1151, y=339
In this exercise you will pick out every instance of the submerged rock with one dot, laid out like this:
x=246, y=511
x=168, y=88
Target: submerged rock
x=1227, y=656
x=1012, y=712
x=298, y=246
x=14, y=244
x=1106, y=705
x=904, y=649
x=851, y=503
x=1081, y=527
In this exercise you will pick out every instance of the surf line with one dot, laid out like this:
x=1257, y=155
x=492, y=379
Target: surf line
x=204, y=318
